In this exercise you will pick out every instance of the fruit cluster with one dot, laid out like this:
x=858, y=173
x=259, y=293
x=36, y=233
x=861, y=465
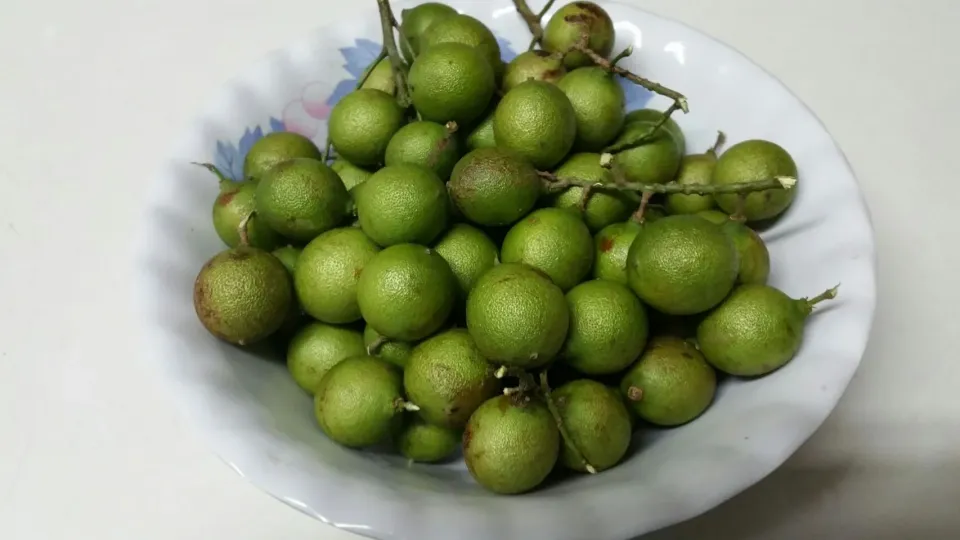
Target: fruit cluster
x=483, y=225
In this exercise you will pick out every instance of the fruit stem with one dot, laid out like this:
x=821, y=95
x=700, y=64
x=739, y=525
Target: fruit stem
x=224, y=181
x=721, y=138
x=634, y=393
x=828, y=294
x=623, y=54
x=545, y=389
x=644, y=199
x=679, y=100
x=374, y=347
x=243, y=229
x=738, y=214
x=360, y=81
x=647, y=135
x=555, y=183
x=442, y=144
x=404, y=405
x=387, y=24
x=533, y=20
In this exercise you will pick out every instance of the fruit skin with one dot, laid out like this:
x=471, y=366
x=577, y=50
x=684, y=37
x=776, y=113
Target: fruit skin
x=361, y=125
x=675, y=383
x=351, y=175
x=755, y=331
x=469, y=252
x=554, y=241
x=395, y=352
x=301, y=198
x=358, y=402
x=468, y=31
x=612, y=244
x=714, y=216
x=536, y=120
x=448, y=378
x=598, y=101
x=234, y=203
x=570, y=22
x=401, y=204
x=242, y=295
x=754, y=257
x=597, y=420
x=406, y=292
x=494, y=186
x=751, y=161
x=538, y=65
x=316, y=348
x=670, y=126
x=608, y=328
x=482, y=135
x=517, y=316
x=415, y=22
x=274, y=148
x=381, y=78
x=426, y=144
x=328, y=271
x=510, y=446
x=655, y=162
x=682, y=265
x=603, y=207
x=451, y=82
x=426, y=443
x=695, y=169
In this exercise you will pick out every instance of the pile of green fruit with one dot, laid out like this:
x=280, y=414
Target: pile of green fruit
x=484, y=225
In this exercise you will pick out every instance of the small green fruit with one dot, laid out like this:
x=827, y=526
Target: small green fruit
x=754, y=257
x=391, y=350
x=469, y=252
x=598, y=101
x=554, y=241
x=451, y=82
x=301, y=198
x=316, y=348
x=235, y=202
x=351, y=175
x=694, y=169
x=598, y=424
x=612, y=244
x=603, y=207
x=535, y=65
x=416, y=20
x=608, y=328
x=468, y=31
x=402, y=204
x=654, y=162
x=714, y=216
x=493, y=186
x=536, y=120
x=361, y=125
x=328, y=271
x=274, y=148
x=752, y=161
x=654, y=116
x=426, y=144
x=427, y=443
x=482, y=135
x=573, y=21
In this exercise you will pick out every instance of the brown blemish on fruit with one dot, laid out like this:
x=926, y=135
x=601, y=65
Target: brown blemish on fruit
x=541, y=53
x=591, y=7
x=606, y=244
x=225, y=198
x=578, y=18
x=687, y=355
x=467, y=438
x=357, y=271
x=552, y=74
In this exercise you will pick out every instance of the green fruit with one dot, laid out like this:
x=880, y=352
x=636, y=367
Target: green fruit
x=288, y=256
x=451, y=82
x=682, y=265
x=756, y=330
x=536, y=65
x=402, y=204
x=493, y=186
x=612, y=244
x=695, y=169
x=351, y=175
x=671, y=384
x=381, y=77
x=598, y=423
x=274, y=148
x=465, y=30
x=603, y=207
x=517, y=316
x=406, y=292
x=235, y=202
x=393, y=351
x=655, y=162
x=302, y=198
x=482, y=135
x=426, y=144
x=554, y=241
x=318, y=347
x=359, y=401
x=536, y=120
x=714, y=216
x=752, y=161
x=469, y=252
x=754, y=257
x=426, y=443
x=654, y=116
x=511, y=445
x=570, y=23
x=361, y=125
x=598, y=101
x=448, y=378
x=608, y=328
x=328, y=271
x=416, y=20
x=242, y=295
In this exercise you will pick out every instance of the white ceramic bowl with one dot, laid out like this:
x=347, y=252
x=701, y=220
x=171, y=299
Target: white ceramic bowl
x=262, y=425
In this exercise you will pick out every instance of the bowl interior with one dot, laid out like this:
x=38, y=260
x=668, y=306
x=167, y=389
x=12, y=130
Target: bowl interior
x=257, y=419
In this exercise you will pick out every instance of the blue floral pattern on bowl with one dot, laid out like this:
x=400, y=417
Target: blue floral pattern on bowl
x=306, y=113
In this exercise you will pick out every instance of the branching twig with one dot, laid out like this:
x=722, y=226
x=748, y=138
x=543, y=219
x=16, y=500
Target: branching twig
x=647, y=135
x=533, y=20
x=567, y=439
x=721, y=138
x=555, y=183
x=388, y=23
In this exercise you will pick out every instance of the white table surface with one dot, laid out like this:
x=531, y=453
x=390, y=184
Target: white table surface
x=92, y=92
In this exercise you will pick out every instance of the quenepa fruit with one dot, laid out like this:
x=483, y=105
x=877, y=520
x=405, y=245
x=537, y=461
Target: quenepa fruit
x=416, y=20
x=274, y=148
x=608, y=327
x=426, y=144
x=402, y=204
x=598, y=423
x=493, y=186
x=465, y=30
x=754, y=257
x=536, y=120
x=391, y=350
x=598, y=101
x=536, y=65
x=554, y=241
x=752, y=161
x=573, y=21
x=469, y=252
x=612, y=244
x=361, y=125
x=316, y=348
x=328, y=271
x=234, y=204
x=301, y=198
x=603, y=207
x=451, y=82
x=427, y=443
